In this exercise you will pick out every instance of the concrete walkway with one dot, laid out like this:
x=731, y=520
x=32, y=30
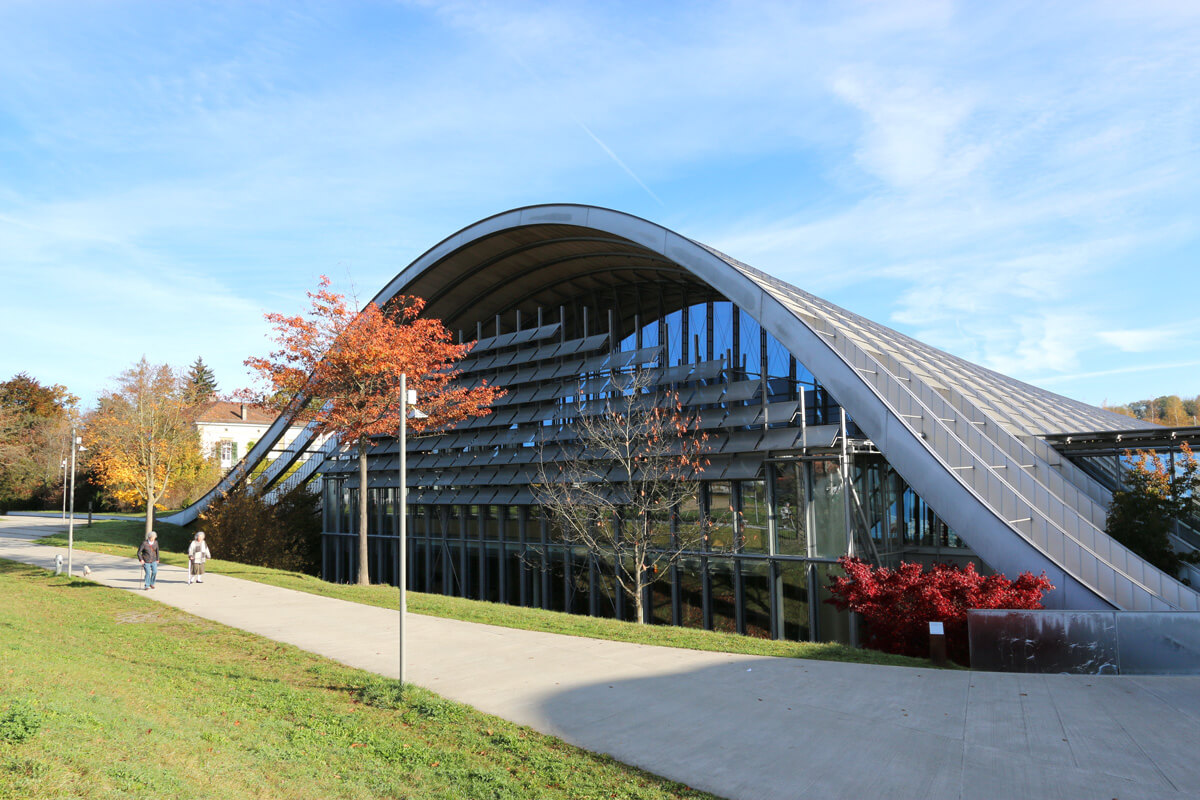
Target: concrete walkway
x=739, y=726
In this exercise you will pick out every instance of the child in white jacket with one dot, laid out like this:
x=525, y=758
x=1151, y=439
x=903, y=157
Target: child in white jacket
x=198, y=553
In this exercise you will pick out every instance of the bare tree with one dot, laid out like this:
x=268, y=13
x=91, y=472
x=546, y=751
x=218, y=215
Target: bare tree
x=631, y=470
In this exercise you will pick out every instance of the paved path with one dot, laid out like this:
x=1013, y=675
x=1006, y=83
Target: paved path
x=740, y=726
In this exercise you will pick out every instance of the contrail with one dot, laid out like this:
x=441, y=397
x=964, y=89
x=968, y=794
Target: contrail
x=620, y=163
x=1118, y=371
x=608, y=150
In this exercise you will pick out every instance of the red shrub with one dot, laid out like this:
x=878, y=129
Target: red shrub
x=898, y=605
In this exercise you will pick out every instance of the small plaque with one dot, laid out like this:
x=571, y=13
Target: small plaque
x=935, y=629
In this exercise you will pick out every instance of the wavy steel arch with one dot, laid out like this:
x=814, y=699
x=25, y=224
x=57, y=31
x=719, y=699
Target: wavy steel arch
x=967, y=439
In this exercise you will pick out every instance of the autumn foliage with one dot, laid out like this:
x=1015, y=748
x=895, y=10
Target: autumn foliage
x=340, y=368
x=142, y=435
x=241, y=526
x=34, y=436
x=898, y=605
x=346, y=365
x=1154, y=497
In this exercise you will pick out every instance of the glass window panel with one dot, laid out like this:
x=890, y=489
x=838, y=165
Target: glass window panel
x=753, y=516
x=724, y=603
x=349, y=501
x=791, y=517
x=793, y=598
x=470, y=523
x=469, y=553
x=512, y=523
x=828, y=508
x=416, y=567
x=513, y=575
x=722, y=328
x=720, y=515
x=697, y=332
x=687, y=524
x=778, y=360
x=751, y=344
x=390, y=512
x=491, y=522
x=650, y=334
x=493, y=565
x=554, y=530
x=606, y=587
x=531, y=565
x=660, y=600
x=660, y=530
x=691, y=592
x=756, y=597
x=578, y=584
x=451, y=582
x=832, y=625
x=438, y=522
x=674, y=337
x=556, y=599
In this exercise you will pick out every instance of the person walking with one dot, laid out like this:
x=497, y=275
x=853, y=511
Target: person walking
x=198, y=553
x=148, y=558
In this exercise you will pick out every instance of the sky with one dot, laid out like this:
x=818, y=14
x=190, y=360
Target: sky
x=1015, y=183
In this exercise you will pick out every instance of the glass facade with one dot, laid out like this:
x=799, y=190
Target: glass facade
x=792, y=484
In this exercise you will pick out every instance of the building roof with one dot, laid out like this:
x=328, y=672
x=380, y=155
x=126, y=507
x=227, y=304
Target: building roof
x=221, y=412
x=970, y=441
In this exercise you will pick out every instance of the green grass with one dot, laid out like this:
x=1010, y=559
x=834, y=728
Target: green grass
x=127, y=698
x=82, y=513
x=122, y=538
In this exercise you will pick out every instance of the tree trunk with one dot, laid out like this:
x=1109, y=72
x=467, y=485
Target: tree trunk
x=639, y=594
x=364, y=577
x=150, y=499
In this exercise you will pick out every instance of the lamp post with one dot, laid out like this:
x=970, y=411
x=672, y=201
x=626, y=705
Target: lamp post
x=76, y=445
x=407, y=398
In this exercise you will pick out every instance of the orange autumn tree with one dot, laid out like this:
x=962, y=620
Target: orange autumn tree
x=340, y=368
x=142, y=435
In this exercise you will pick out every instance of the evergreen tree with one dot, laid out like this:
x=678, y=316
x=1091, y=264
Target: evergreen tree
x=201, y=381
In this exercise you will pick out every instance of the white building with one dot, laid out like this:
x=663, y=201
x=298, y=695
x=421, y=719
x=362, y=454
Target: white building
x=229, y=430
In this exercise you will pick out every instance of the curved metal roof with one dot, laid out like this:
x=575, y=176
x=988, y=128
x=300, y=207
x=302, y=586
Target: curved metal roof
x=967, y=439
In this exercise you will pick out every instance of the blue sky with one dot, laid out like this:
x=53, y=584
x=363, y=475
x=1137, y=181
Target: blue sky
x=1016, y=183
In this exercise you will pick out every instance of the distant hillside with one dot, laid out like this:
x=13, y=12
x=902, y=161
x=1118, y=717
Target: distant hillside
x=1170, y=410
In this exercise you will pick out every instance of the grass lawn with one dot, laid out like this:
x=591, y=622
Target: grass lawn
x=122, y=538
x=106, y=694
x=81, y=513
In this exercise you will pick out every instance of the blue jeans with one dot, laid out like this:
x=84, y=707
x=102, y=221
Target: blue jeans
x=151, y=570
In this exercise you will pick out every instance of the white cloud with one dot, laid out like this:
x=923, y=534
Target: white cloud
x=987, y=179
x=910, y=130
x=1136, y=341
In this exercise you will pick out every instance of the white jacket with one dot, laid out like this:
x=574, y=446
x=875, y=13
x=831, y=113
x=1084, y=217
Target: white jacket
x=198, y=551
